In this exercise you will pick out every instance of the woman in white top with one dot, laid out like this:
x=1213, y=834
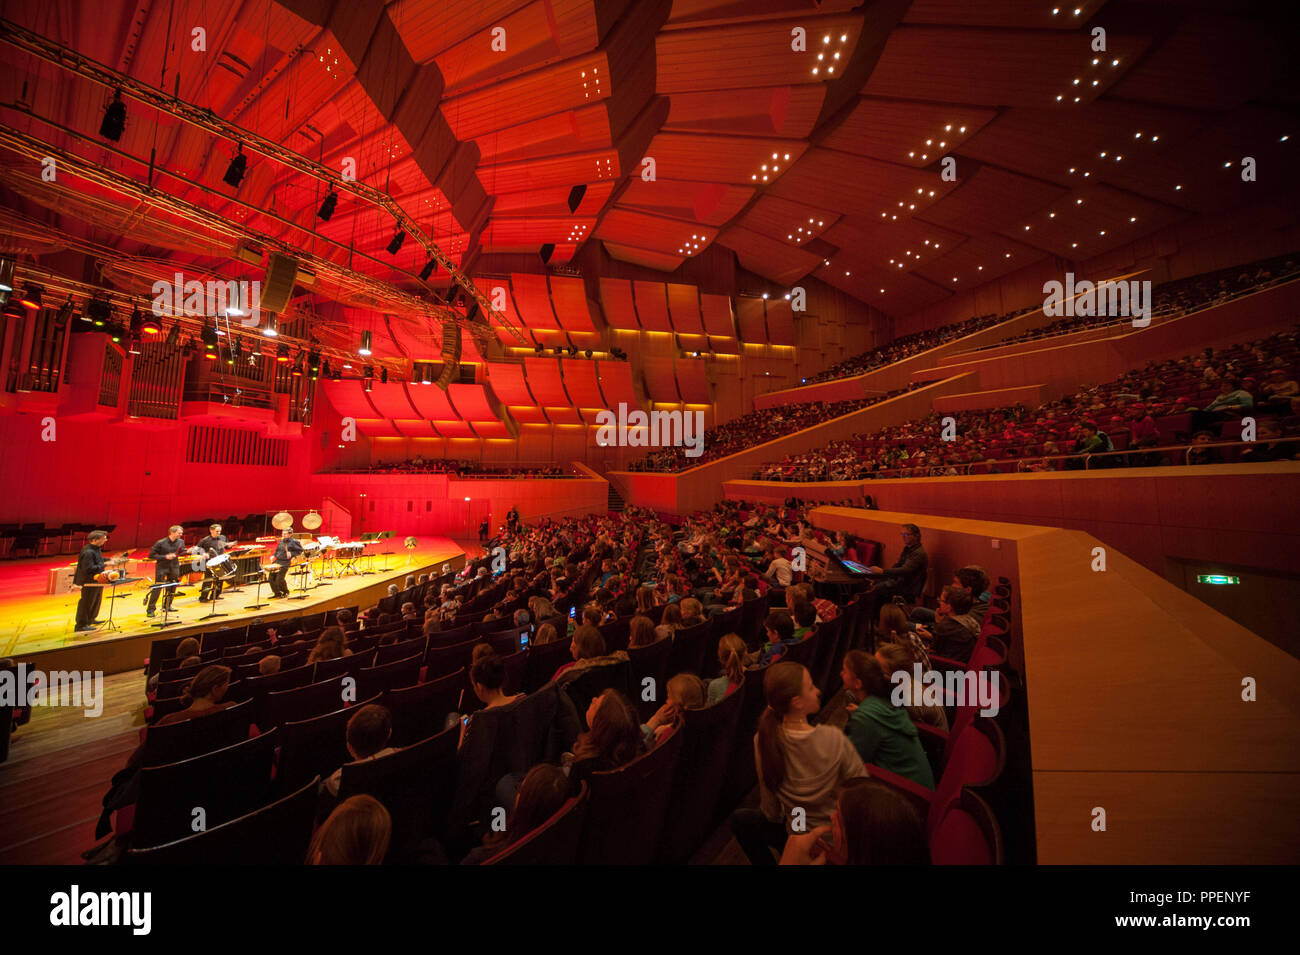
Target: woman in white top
x=801, y=767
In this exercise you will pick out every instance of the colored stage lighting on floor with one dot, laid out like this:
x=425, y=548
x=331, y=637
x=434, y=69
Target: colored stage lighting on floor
x=114, y=121
x=235, y=171
x=326, y=210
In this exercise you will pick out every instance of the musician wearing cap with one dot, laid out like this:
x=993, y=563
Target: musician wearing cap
x=165, y=554
x=90, y=565
x=213, y=545
x=285, y=551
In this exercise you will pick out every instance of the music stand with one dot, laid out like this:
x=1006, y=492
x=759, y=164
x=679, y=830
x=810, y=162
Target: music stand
x=303, y=573
x=386, y=535
x=257, y=598
x=167, y=609
x=365, y=562
x=216, y=599
x=108, y=624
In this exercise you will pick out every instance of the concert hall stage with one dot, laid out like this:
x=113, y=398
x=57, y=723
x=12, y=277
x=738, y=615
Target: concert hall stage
x=35, y=625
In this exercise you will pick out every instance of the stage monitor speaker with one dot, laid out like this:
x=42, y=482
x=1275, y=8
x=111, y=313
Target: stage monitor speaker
x=281, y=274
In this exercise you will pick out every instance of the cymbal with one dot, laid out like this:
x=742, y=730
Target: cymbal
x=311, y=521
x=282, y=521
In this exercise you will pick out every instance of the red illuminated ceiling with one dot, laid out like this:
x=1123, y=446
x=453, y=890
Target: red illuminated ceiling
x=806, y=137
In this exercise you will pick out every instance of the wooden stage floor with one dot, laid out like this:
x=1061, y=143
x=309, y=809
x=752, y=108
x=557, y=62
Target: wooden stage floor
x=36, y=624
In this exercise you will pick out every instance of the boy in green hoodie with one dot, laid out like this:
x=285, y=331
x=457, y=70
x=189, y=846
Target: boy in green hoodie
x=883, y=734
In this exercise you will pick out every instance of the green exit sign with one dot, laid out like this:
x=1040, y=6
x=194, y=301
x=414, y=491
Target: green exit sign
x=1216, y=579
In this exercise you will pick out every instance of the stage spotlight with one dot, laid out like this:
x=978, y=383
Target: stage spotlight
x=395, y=243
x=235, y=171
x=559, y=350
x=326, y=210
x=367, y=339
x=369, y=383
x=31, y=297
x=14, y=310
x=427, y=270
x=282, y=352
x=114, y=121
x=150, y=325
x=539, y=348
x=173, y=335
x=313, y=362
x=7, y=275
x=573, y=351
x=255, y=349
x=66, y=312
x=383, y=375
x=209, y=336
x=270, y=330
x=116, y=332
x=99, y=310
x=297, y=365
x=134, y=347
x=588, y=353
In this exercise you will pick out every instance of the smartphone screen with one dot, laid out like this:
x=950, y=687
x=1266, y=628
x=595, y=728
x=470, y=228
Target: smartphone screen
x=523, y=641
x=573, y=611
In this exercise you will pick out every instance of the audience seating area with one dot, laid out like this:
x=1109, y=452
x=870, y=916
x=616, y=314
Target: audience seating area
x=1165, y=409
x=1178, y=298
x=256, y=765
x=753, y=428
x=905, y=346
x=461, y=469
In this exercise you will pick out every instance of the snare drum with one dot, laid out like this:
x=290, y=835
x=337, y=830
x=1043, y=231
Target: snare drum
x=222, y=567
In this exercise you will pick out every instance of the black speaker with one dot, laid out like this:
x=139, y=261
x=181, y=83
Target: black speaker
x=277, y=289
x=546, y=252
x=575, y=196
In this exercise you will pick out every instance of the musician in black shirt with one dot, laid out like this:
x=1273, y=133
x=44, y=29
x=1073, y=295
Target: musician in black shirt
x=165, y=554
x=287, y=549
x=90, y=564
x=211, y=546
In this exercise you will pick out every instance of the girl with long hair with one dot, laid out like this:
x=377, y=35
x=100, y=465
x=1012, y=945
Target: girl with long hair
x=357, y=832
x=731, y=657
x=330, y=645
x=801, y=767
x=613, y=740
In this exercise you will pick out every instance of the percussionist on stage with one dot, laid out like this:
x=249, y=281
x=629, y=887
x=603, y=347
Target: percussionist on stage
x=212, y=545
x=167, y=568
x=90, y=564
x=287, y=549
